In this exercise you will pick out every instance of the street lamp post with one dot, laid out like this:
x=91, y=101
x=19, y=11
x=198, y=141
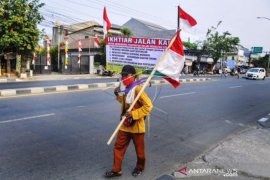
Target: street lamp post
x=269, y=51
x=58, y=25
x=268, y=62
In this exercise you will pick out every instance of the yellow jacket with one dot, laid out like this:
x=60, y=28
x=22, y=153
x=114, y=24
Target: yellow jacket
x=139, y=111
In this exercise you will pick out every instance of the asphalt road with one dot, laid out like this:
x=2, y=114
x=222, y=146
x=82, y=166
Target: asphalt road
x=63, y=136
x=46, y=83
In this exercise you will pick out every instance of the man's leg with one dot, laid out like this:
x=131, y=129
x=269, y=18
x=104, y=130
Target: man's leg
x=138, y=140
x=120, y=147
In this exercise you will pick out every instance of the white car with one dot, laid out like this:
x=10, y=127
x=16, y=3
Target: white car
x=256, y=73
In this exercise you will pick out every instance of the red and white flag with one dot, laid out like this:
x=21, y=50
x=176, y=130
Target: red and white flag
x=66, y=51
x=106, y=23
x=173, y=62
x=79, y=51
x=96, y=43
x=186, y=21
x=48, y=51
x=34, y=58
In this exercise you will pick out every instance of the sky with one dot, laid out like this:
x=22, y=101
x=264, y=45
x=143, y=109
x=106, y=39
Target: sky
x=239, y=17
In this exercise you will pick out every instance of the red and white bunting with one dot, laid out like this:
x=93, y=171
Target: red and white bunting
x=96, y=43
x=48, y=51
x=34, y=58
x=79, y=51
x=66, y=51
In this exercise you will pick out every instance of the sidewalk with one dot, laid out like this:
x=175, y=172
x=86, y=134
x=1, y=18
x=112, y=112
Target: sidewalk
x=53, y=76
x=245, y=155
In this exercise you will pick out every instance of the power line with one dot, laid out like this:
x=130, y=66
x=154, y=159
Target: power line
x=64, y=11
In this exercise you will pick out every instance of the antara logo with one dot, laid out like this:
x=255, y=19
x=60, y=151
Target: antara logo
x=183, y=170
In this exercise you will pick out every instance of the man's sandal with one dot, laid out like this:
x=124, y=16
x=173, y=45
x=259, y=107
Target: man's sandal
x=110, y=174
x=136, y=172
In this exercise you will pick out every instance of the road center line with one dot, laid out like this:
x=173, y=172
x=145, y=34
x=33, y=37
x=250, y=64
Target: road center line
x=26, y=118
x=235, y=87
x=177, y=95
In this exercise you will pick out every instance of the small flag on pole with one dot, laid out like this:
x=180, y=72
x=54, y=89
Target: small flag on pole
x=48, y=51
x=34, y=58
x=79, y=51
x=96, y=43
x=66, y=51
x=106, y=23
x=173, y=62
x=186, y=21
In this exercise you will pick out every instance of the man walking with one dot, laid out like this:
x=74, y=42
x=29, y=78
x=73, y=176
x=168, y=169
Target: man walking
x=133, y=127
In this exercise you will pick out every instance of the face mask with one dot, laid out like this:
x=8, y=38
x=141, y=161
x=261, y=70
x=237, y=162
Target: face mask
x=127, y=81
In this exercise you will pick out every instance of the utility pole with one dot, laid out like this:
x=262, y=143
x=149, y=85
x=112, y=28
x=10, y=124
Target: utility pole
x=268, y=63
x=58, y=25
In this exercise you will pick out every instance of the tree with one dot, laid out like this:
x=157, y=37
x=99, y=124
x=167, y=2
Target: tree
x=126, y=32
x=18, y=25
x=190, y=46
x=261, y=62
x=218, y=45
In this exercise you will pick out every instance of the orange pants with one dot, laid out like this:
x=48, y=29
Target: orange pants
x=120, y=147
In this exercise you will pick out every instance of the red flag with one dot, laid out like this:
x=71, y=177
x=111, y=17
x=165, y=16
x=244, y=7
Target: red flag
x=186, y=21
x=106, y=22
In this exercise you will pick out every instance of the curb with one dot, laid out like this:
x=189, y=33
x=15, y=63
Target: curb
x=10, y=80
x=51, y=89
x=6, y=80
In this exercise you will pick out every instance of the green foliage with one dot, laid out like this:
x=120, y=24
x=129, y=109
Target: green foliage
x=126, y=32
x=18, y=25
x=217, y=44
x=191, y=46
x=261, y=62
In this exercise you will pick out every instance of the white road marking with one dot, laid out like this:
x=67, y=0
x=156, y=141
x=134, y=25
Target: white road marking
x=177, y=95
x=240, y=124
x=81, y=106
x=235, y=87
x=158, y=109
x=27, y=118
x=227, y=121
x=263, y=119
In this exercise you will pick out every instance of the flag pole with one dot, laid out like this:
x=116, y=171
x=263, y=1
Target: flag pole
x=141, y=91
x=178, y=15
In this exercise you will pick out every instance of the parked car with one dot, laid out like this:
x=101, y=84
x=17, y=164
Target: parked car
x=256, y=73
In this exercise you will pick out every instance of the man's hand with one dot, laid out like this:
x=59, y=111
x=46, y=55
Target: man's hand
x=116, y=91
x=128, y=114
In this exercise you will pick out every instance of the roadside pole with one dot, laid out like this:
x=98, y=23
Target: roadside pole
x=268, y=64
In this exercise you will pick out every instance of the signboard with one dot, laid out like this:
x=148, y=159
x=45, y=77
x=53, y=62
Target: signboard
x=257, y=50
x=141, y=52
